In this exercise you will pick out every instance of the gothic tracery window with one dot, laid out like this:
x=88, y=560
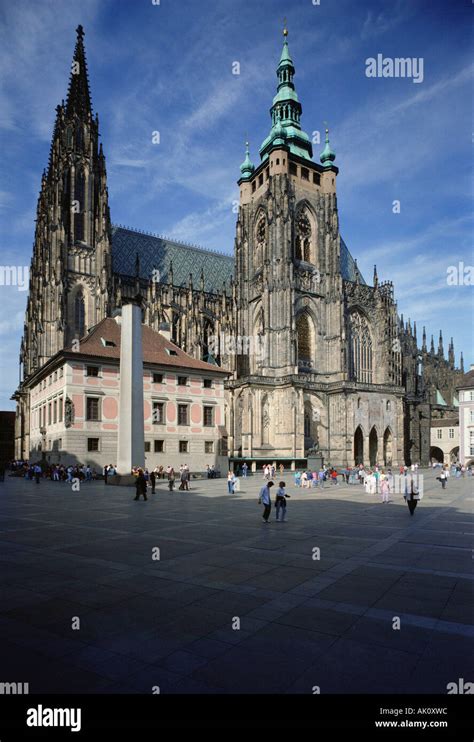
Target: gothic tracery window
x=79, y=315
x=304, y=339
x=303, y=237
x=79, y=198
x=361, y=349
x=260, y=239
x=265, y=421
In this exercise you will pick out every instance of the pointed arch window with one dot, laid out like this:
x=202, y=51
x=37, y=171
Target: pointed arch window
x=79, y=198
x=79, y=315
x=260, y=240
x=265, y=421
x=361, y=349
x=303, y=237
x=304, y=334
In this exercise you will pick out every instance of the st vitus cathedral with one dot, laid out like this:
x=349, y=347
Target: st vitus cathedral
x=341, y=373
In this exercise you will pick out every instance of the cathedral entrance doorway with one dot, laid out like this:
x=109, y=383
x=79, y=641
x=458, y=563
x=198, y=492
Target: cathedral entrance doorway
x=358, y=446
x=373, y=445
x=387, y=447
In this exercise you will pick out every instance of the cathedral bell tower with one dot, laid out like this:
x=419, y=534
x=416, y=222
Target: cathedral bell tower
x=71, y=265
x=288, y=280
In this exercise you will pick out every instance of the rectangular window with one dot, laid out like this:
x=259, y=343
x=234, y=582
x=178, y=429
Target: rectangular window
x=207, y=383
x=50, y=379
x=158, y=413
x=60, y=443
x=55, y=376
x=208, y=446
x=147, y=446
x=254, y=186
x=183, y=446
x=451, y=432
x=293, y=169
x=439, y=433
x=183, y=414
x=92, y=444
x=471, y=396
x=208, y=416
x=182, y=380
x=61, y=372
x=267, y=173
x=260, y=180
x=92, y=409
x=316, y=178
x=49, y=413
x=157, y=378
x=60, y=410
x=471, y=412
x=304, y=173
x=92, y=370
x=159, y=446
x=55, y=411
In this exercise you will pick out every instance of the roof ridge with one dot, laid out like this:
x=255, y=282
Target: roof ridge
x=182, y=243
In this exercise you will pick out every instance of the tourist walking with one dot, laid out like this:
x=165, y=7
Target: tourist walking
x=171, y=477
x=244, y=470
x=140, y=485
x=153, y=481
x=280, y=503
x=230, y=482
x=411, y=495
x=37, y=472
x=184, y=479
x=265, y=500
x=443, y=478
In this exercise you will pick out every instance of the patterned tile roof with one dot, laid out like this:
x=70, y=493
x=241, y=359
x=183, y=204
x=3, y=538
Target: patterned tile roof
x=158, y=252
x=348, y=265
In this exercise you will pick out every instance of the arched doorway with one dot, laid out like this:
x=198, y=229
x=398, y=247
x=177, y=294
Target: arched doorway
x=358, y=446
x=436, y=454
x=387, y=447
x=454, y=455
x=373, y=445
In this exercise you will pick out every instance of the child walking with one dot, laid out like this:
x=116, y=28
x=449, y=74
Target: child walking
x=280, y=502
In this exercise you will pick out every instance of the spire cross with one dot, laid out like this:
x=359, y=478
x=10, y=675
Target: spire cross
x=285, y=29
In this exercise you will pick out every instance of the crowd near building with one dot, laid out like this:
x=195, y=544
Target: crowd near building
x=338, y=371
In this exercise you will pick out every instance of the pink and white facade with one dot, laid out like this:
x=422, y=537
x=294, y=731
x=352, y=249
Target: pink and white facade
x=74, y=404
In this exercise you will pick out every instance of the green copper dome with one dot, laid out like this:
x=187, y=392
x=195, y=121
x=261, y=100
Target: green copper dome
x=286, y=110
x=328, y=155
x=247, y=167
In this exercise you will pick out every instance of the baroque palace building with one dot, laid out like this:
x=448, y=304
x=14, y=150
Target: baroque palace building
x=338, y=372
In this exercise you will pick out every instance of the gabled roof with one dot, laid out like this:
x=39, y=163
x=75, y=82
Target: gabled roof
x=157, y=350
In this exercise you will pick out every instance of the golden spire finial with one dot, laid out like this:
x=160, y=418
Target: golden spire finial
x=285, y=29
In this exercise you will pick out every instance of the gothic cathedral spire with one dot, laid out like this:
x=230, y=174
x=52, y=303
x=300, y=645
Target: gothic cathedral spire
x=70, y=276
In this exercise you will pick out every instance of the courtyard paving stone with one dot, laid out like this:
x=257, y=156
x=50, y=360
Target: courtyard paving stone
x=169, y=622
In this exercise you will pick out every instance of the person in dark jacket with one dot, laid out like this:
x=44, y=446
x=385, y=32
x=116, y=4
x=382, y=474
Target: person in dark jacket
x=140, y=485
x=412, y=494
x=153, y=482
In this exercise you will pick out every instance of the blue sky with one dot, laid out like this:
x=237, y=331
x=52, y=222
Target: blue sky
x=168, y=67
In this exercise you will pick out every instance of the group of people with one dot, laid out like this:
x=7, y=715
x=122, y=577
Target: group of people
x=54, y=472
x=144, y=478
x=269, y=470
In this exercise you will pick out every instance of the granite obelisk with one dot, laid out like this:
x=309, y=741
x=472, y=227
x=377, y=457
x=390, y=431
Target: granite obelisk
x=131, y=434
